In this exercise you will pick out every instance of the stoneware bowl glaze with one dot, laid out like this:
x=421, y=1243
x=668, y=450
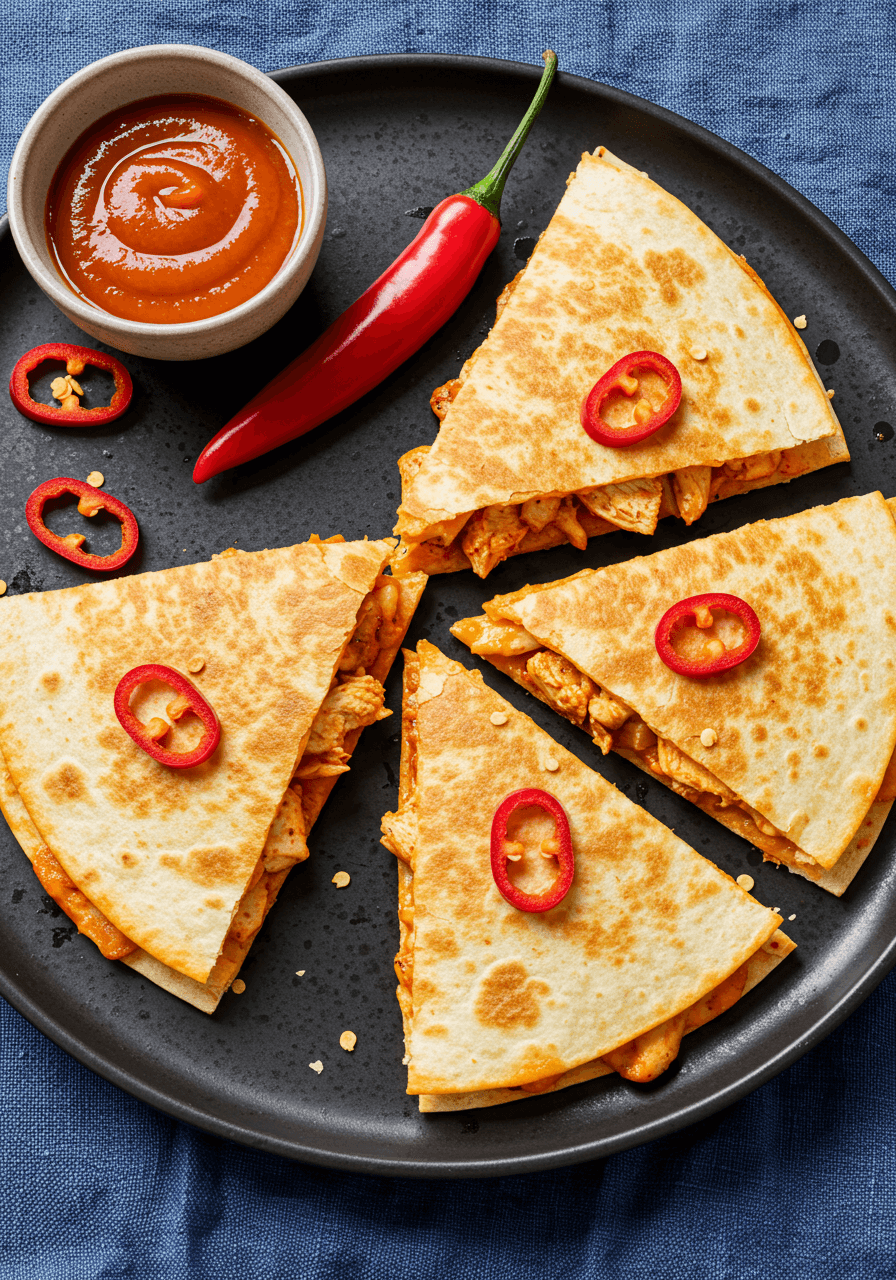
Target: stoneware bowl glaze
x=142, y=73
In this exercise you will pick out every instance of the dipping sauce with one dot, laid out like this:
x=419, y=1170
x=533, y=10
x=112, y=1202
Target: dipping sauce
x=173, y=209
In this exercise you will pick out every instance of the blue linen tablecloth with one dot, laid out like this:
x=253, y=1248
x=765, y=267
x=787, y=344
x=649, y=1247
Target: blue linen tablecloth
x=796, y=1180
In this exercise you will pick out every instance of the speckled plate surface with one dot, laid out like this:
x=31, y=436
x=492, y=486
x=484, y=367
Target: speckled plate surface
x=398, y=133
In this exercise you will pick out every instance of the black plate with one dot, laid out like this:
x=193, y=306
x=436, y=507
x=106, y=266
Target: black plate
x=397, y=134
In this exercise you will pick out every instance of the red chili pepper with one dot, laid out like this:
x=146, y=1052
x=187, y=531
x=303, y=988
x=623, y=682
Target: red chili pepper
x=699, y=610
x=148, y=736
x=76, y=360
x=621, y=377
x=388, y=323
x=91, y=501
x=532, y=902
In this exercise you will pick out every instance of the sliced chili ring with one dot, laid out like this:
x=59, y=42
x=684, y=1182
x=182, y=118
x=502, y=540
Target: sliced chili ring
x=699, y=609
x=532, y=902
x=91, y=501
x=76, y=360
x=147, y=736
x=621, y=377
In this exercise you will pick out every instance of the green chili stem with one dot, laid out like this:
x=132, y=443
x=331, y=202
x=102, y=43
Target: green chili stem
x=488, y=192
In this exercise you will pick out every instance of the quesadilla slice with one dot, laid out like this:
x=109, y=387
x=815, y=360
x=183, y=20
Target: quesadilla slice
x=650, y=941
x=172, y=870
x=622, y=268
x=793, y=748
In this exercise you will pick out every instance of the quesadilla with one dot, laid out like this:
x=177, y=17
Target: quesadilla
x=623, y=267
x=651, y=940
x=793, y=748
x=172, y=870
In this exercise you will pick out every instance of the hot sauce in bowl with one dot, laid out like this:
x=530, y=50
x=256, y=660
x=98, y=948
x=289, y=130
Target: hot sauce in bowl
x=173, y=209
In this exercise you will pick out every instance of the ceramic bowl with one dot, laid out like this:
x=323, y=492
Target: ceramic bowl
x=143, y=73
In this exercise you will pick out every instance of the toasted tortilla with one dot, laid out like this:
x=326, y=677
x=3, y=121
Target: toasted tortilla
x=495, y=998
x=806, y=727
x=623, y=266
x=166, y=855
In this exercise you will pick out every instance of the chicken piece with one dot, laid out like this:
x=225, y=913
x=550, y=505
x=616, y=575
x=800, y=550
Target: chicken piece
x=250, y=914
x=649, y=1055
x=635, y=735
x=539, y=512
x=363, y=647
x=285, y=845
x=757, y=467
x=400, y=834
x=567, y=519
x=353, y=704
x=691, y=488
x=601, y=737
x=688, y=772
x=668, y=506
x=633, y=505
x=491, y=535
x=483, y=636
x=561, y=684
x=609, y=712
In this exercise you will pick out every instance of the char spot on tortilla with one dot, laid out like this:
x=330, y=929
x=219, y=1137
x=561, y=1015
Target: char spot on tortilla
x=443, y=942
x=66, y=783
x=128, y=859
x=675, y=268
x=210, y=866
x=214, y=904
x=760, y=733
x=753, y=405
x=51, y=681
x=436, y=1030
x=508, y=997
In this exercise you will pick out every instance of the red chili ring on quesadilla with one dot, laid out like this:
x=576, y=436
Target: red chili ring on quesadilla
x=707, y=655
x=623, y=377
x=90, y=501
x=148, y=736
x=560, y=847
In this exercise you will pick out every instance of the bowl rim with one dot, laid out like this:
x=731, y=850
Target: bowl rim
x=314, y=202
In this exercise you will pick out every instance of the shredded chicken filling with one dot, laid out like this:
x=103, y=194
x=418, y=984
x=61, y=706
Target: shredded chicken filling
x=484, y=538
x=354, y=701
x=614, y=726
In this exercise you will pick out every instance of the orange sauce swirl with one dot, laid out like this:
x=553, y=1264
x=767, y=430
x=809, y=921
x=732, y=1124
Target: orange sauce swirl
x=172, y=209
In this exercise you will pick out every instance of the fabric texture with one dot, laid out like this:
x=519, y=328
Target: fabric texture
x=799, y=1178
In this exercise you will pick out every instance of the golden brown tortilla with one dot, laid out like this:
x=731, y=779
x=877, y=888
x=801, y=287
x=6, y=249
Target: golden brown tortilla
x=495, y=998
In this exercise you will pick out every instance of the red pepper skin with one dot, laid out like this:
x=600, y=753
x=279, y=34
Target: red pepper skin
x=80, y=417
x=566, y=869
x=91, y=501
x=391, y=320
x=685, y=609
x=615, y=380
x=138, y=731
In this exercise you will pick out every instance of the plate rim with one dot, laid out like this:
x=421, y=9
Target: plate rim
x=687, y=1114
